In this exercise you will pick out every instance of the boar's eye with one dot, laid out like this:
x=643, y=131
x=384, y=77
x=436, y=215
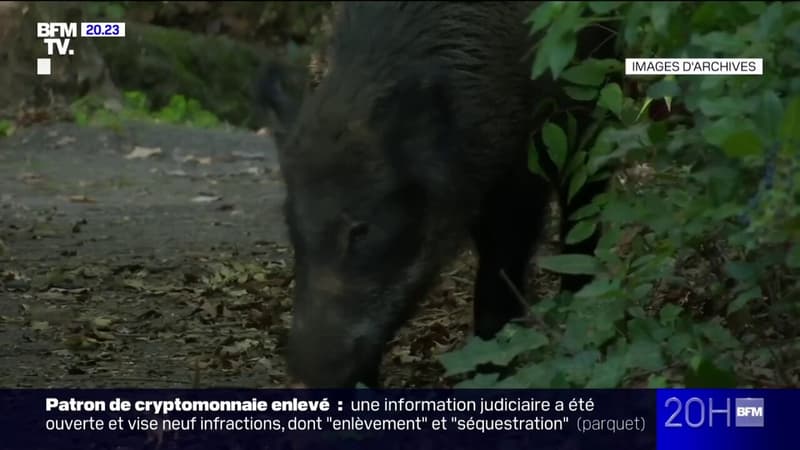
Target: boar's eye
x=358, y=232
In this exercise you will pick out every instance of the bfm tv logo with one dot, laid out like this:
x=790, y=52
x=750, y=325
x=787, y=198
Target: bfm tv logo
x=749, y=412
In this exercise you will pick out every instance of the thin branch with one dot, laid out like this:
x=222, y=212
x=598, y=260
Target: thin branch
x=529, y=318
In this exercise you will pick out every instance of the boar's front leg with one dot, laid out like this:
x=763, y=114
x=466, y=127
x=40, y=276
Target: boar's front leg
x=511, y=220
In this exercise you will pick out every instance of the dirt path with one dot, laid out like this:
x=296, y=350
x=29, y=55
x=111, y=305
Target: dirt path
x=156, y=257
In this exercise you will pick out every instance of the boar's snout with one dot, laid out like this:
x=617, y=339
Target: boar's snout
x=329, y=350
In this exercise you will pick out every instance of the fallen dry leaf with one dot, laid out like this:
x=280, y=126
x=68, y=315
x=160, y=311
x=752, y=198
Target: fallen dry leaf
x=80, y=342
x=66, y=140
x=238, y=348
x=37, y=325
x=134, y=284
x=103, y=335
x=102, y=322
x=212, y=309
x=205, y=199
x=143, y=153
x=204, y=160
x=81, y=199
x=249, y=155
x=29, y=177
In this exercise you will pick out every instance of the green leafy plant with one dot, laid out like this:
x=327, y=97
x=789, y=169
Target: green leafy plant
x=107, y=10
x=697, y=276
x=6, y=128
x=135, y=106
x=181, y=110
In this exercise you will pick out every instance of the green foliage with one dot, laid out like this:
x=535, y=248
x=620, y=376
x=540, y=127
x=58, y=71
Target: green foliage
x=6, y=128
x=106, y=10
x=570, y=264
x=135, y=106
x=183, y=111
x=509, y=343
x=556, y=142
x=697, y=274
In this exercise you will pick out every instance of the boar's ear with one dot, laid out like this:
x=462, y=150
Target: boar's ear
x=417, y=126
x=274, y=90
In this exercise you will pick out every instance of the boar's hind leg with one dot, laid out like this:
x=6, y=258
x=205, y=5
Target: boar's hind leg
x=509, y=225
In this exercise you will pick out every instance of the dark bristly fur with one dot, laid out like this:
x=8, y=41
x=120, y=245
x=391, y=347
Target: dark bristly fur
x=414, y=140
